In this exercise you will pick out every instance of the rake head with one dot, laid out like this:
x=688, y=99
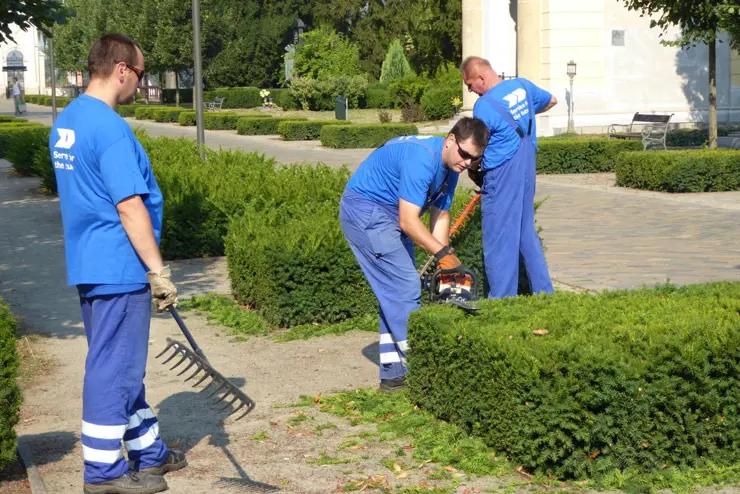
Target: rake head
x=218, y=384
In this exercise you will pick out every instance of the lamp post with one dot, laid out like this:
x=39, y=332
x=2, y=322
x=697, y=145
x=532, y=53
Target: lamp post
x=571, y=71
x=198, y=100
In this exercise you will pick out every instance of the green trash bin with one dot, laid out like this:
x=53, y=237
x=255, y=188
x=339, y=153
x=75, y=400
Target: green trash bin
x=341, y=108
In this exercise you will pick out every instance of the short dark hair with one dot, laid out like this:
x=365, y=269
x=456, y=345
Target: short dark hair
x=108, y=51
x=468, y=127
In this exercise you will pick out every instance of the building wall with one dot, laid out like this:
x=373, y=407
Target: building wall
x=621, y=66
x=27, y=42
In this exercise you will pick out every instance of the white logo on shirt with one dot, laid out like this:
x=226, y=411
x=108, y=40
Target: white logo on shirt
x=515, y=97
x=66, y=139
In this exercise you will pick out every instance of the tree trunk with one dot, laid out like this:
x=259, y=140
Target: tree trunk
x=177, y=89
x=713, y=94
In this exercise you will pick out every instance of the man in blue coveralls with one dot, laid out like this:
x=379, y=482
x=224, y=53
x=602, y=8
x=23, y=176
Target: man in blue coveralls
x=112, y=217
x=507, y=177
x=380, y=215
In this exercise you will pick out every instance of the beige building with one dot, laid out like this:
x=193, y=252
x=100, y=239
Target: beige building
x=621, y=66
x=25, y=58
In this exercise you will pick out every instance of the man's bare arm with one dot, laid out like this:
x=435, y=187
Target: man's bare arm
x=138, y=226
x=411, y=224
x=439, y=224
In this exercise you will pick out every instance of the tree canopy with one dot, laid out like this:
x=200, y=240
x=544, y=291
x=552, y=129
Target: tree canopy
x=41, y=14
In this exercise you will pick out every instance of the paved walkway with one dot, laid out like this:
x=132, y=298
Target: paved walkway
x=597, y=236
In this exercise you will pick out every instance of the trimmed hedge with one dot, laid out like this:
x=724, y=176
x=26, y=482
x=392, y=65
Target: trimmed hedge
x=186, y=95
x=127, y=110
x=169, y=114
x=636, y=380
x=10, y=393
x=284, y=99
x=302, y=131
x=146, y=112
x=236, y=97
x=581, y=155
x=41, y=99
x=436, y=103
x=187, y=118
x=19, y=144
x=250, y=126
x=680, y=171
x=220, y=121
x=363, y=136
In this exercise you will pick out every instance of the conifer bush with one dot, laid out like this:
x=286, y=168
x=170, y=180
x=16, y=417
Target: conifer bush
x=628, y=380
x=10, y=393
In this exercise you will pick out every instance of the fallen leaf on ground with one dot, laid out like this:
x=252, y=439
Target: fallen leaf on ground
x=540, y=332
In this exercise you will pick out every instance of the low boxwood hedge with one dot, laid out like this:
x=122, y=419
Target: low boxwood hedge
x=581, y=155
x=250, y=126
x=147, y=112
x=169, y=114
x=10, y=393
x=697, y=170
x=127, y=111
x=364, y=135
x=18, y=145
x=302, y=131
x=236, y=97
x=635, y=380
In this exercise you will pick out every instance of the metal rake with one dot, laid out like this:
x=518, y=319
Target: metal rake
x=195, y=358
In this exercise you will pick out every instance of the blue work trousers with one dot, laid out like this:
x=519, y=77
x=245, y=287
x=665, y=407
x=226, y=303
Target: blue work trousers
x=507, y=207
x=386, y=256
x=114, y=408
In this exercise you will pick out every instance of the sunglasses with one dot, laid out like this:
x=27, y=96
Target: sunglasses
x=466, y=155
x=139, y=73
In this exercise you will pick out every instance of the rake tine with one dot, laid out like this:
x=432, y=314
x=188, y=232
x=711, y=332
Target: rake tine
x=228, y=404
x=169, y=345
x=192, y=363
x=184, y=357
x=250, y=406
x=199, y=368
x=208, y=374
x=217, y=390
x=225, y=395
x=177, y=352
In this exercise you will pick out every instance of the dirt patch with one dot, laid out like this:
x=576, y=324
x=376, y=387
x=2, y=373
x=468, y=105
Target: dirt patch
x=13, y=479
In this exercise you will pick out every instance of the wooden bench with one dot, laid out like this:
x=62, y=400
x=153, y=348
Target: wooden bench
x=651, y=129
x=215, y=104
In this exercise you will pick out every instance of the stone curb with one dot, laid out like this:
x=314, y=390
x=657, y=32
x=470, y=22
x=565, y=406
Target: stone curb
x=34, y=477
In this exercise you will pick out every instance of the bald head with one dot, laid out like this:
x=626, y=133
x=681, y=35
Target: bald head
x=478, y=75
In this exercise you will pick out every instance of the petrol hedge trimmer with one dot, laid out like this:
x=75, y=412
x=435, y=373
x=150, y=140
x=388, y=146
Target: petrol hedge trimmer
x=458, y=286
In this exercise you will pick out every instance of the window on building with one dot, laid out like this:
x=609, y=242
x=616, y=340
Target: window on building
x=618, y=37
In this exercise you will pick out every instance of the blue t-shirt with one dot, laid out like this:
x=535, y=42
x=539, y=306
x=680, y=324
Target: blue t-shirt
x=408, y=168
x=98, y=162
x=514, y=95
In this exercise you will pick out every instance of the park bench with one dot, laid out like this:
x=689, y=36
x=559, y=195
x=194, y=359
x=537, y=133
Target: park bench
x=215, y=104
x=651, y=129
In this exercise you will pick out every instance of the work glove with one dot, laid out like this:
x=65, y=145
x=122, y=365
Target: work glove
x=164, y=293
x=476, y=176
x=445, y=258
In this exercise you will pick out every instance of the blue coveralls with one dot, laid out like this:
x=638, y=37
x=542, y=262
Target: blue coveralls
x=507, y=194
x=98, y=162
x=409, y=168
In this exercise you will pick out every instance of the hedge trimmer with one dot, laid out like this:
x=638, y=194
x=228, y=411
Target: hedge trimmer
x=457, y=286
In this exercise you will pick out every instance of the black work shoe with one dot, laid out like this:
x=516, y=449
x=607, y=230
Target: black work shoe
x=129, y=483
x=391, y=385
x=175, y=461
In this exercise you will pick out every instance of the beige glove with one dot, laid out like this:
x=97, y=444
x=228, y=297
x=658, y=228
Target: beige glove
x=164, y=293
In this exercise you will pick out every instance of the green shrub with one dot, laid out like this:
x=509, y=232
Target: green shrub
x=302, y=131
x=680, y=171
x=236, y=97
x=319, y=94
x=630, y=380
x=6, y=132
x=186, y=95
x=186, y=119
x=169, y=114
x=437, y=102
x=408, y=90
x=580, y=155
x=378, y=96
x=10, y=119
x=681, y=138
x=147, y=112
x=44, y=168
x=22, y=144
x=395, y=65
x=249, y=126
x=220, y=121
x=284, y=99
x=127, y=111
x=30, y=98
x=10, y=393
x=363, y=136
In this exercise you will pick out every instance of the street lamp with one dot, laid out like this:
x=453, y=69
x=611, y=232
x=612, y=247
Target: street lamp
x=571, y=71
x=198, y=99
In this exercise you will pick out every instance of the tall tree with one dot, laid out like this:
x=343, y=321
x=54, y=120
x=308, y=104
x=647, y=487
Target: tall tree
x=42, y=14
x=700, y=22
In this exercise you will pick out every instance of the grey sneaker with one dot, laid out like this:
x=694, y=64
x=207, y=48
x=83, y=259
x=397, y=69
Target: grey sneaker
x=129, y=483
x=175, y=461
x=391, y=385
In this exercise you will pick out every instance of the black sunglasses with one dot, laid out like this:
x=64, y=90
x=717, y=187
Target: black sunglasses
x=139, y=73
x=466, y=155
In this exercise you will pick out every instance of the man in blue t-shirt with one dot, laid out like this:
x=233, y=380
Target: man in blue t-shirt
x=507, y=177
x=112, y=217
x=380, y=213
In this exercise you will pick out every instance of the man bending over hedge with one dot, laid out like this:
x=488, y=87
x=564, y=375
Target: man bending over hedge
x=508, y=177
x=112, y=216
x=380, y=213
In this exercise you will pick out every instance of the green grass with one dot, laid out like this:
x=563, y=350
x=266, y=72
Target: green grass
x=261, y=436
x=225, y=311
x=435, y=441
x=325, y=459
